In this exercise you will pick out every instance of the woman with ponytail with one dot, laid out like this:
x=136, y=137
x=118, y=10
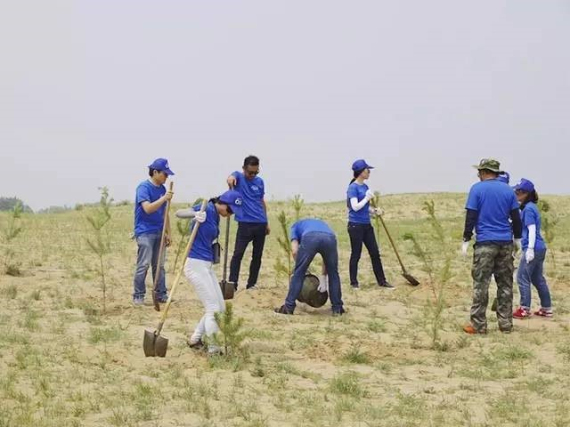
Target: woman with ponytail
x=533, y=254
x=199, y=266
x=360, y=229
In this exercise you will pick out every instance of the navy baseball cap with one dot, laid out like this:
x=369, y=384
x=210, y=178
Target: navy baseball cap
x=161, y=165
x=504, y=177
x=360, y=165
x=232, y=198
x=524, y=185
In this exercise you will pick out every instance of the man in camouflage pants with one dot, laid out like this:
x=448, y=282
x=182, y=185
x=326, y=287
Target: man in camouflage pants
x=489, y=206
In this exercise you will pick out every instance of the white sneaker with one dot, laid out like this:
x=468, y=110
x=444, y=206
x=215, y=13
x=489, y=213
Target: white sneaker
x=252, y=288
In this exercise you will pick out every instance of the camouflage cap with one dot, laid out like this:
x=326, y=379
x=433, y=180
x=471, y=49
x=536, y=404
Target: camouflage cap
x=489, y=164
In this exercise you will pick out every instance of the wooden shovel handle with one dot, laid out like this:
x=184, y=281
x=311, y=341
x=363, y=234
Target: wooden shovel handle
x=161, y=251
x=179, y=275
x=392, y=243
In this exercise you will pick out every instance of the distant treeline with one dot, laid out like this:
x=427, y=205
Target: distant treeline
x=8, y=204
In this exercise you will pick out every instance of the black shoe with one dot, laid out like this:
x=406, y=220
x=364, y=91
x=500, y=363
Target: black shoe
x=283, y=310
x=235, y=285
x=163, y=300
x=387, y=286
x=338, y=312
x=355, y=285
x=195, y=345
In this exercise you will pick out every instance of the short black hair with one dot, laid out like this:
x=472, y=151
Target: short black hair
x=151, y=171
x=251, y=161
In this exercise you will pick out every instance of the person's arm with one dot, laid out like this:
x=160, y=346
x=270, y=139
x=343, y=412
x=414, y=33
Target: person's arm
x=470, y=222
x=517, y=223
x=150, y=208
x=356, y=205
x=232, y=180
x=268, y=229
x=294, y=248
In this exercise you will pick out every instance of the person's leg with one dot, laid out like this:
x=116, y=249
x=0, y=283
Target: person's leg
x=162, y=293
x=329, y=253
x=374, y=252
x=144, y=256
x=356, y=234
x=305, y=255
x=539, y=281
x=483, y=263
x=503, y=271
x=524, y=279
x=199, y=274
x=259, y=234
x=243, y=237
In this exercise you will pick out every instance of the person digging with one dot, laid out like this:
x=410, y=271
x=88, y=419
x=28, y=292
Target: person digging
x=310, y=237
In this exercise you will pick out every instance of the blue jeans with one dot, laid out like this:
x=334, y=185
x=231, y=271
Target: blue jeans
x=149, y=246
x=312, y=244
x=533, y=273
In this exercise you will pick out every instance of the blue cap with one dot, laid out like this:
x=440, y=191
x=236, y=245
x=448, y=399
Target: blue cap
x=524, y=185
x=504, y=177
x=232, y=198
x=360, y=165
x=161, y=165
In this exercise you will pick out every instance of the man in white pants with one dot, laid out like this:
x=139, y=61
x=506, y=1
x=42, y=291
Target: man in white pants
x=199, y=267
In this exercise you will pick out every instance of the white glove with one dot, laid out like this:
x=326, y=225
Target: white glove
x=378, y=211
x=464, y=248
x=200, y=217
x=518, y=245
x=529, y=255
x=323, y=283
x=369, y=195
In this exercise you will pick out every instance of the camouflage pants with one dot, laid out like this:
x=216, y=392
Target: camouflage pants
x=490, y=260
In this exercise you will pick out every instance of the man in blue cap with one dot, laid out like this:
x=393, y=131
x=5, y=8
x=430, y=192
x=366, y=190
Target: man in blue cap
x=310, y=237
x=489, y=206
x=253, y=226
x=150, y=205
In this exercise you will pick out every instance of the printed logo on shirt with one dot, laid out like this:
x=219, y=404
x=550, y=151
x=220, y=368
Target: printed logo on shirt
x=255, y=188
x=238, y=202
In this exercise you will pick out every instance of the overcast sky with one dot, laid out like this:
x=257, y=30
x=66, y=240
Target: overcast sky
x=92, y=91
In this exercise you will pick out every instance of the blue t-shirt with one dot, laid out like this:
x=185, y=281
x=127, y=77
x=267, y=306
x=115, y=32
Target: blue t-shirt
x=300, y=228
x=207, y=234
x=145, y=223
x=529, y=216
x=493, y=200
x=252, y=194
x=363, y=215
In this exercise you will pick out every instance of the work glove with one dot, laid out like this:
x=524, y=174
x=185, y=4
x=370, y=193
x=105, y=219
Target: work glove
x=518, y=245
x=200, y=217
x=378, y=211
x=464, y=248
x=529, y=255
x=369, y=195
x=323, y=283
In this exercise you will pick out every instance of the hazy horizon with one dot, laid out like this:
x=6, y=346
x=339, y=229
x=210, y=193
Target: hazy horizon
x=92, y=92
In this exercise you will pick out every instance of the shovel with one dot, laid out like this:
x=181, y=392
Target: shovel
x=160, y=251
x=227, y=287
x=411, y=279
x=155, y=345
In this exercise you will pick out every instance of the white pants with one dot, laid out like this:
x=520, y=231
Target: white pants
x=201, y=275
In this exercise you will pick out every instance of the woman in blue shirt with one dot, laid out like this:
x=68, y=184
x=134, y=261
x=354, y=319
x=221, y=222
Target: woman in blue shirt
x=360, y=229
x=199, y=266
x=531, y=266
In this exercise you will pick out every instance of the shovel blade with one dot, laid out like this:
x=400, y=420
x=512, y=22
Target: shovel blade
x=154, y=345
x=228, y=289
x=411, y=279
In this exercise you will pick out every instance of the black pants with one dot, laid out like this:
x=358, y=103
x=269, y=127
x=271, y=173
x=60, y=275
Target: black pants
x=359, y=234
x=248, y=232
